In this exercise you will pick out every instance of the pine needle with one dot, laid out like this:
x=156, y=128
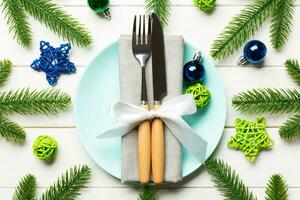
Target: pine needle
x=290, y=129
x=241, y=27
x=277, y=188
x=259, y=101
x=11, y=131
x=161, y=8
x=26, y=190
x=227, y=181
x=5, y=70
x=58, y=21
x=68, y=186
x=293, y=68
x=281, y=23
x=17, y=21
x=33, y=102
x=147, y=193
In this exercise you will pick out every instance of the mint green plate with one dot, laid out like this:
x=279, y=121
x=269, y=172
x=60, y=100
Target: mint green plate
x=99, y=87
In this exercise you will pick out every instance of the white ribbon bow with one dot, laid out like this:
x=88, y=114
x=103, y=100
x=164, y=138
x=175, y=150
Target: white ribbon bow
x=170, y=112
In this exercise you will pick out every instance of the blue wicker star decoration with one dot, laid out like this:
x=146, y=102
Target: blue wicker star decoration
x=251, y=137
x=54, y=61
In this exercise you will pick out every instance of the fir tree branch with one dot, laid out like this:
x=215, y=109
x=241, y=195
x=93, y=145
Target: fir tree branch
x=11, y=131
x=58, y=21
x=161, y=8
x=147, y=193
x=227, y=181
x=26, y=190
x=5, y=70
x=267, y=100
x=33, y=102
x=68, y=186
x=277, y=188
x=17, y=21
x=281, y=23
x=290, y=129
x=293, y=68
x=242, y=27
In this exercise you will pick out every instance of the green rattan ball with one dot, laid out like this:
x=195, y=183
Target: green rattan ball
x=201, y=94
x=205, y=5
x=45, y=147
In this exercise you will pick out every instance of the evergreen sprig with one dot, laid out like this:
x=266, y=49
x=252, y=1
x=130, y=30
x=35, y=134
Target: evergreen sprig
x=67, y=187
x=26, y=190
x=293, y=69
x=5, y=70
x=11, y=131
x=47, y=13
x=227, y=181
x=277, y=188
x=26, y=102
x=58, y=21
x=291, y=129
x=281, y=23
x=242, y=26
x=17, y=21
x=147, y=193
x=33, y=102
x=258, y=101
x=161, y=8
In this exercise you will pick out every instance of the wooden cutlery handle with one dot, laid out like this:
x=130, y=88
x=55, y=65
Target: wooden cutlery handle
x=158, y=149
x=144, y=150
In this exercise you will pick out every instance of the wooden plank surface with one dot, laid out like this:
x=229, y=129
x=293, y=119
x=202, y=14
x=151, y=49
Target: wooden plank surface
x=235, y=79
x=197, y=28
x=71, y=152
x=164, y=194
x=200, y=30
x=173, y=2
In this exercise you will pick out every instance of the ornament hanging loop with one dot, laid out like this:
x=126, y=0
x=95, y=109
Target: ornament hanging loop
x=198, y=57
x=242, y=61
x=100, y=7
x=106, y=14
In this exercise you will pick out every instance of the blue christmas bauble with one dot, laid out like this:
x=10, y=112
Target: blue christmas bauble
x=193, y=71
x=255, y=52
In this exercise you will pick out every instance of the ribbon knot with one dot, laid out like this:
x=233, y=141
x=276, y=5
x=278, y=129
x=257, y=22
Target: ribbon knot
x=152, y=114
x=170, y=112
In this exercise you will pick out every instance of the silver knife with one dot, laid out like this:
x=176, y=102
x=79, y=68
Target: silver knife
x=159, y=92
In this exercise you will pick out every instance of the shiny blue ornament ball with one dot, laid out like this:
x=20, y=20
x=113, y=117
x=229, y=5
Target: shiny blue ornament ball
x=255, y=52
x=193, y=71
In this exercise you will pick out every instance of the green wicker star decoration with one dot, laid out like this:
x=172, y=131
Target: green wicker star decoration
x=251, y=137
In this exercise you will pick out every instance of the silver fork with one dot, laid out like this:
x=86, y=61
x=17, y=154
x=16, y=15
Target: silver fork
x=141, y=48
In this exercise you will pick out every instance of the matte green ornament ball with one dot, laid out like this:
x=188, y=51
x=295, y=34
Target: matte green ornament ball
x=205, y=5
x=45, y=147
x=201, y=94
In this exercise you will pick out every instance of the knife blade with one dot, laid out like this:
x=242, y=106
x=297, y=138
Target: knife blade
x=159, y=92
x=158, y=61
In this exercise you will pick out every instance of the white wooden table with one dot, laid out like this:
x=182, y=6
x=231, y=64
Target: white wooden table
x=197, y=28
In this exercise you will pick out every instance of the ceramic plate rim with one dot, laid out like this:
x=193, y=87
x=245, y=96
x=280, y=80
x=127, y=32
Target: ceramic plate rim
x=75, y=107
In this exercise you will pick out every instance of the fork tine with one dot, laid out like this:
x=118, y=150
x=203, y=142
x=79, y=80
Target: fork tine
x=134, y=31
x=140, y=25
x=149, y=30
x=144, y=30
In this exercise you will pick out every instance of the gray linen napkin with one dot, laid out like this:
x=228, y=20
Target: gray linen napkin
x=130, y=85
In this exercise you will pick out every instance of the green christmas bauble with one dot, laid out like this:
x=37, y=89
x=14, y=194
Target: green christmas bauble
x=45, y=147
x=200, y=93
x=99, y=6
x=205, y=5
